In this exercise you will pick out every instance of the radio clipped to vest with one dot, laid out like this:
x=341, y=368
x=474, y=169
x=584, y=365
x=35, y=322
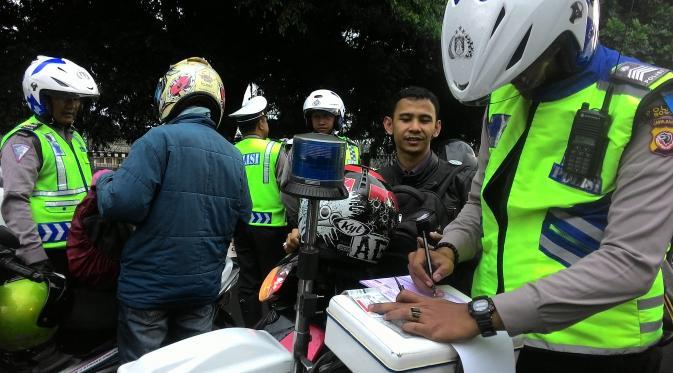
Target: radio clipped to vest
x=587, y=144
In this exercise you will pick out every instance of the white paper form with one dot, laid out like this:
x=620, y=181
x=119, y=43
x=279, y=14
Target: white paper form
x=388, y=287
x=487, y=354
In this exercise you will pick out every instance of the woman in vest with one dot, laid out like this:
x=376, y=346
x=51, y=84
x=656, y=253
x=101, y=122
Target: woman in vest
x=46, y=170
x=571, y=205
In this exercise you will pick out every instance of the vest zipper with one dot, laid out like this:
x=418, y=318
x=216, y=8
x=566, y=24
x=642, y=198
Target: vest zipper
x=496, y=193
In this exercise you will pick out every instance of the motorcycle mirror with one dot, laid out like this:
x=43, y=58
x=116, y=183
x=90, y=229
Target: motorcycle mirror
x=274, y=280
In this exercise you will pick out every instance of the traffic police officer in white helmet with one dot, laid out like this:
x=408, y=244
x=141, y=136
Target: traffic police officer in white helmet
x=46, y=170
x=570, y=209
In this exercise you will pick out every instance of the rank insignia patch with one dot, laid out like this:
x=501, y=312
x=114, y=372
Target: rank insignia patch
x=639, y=73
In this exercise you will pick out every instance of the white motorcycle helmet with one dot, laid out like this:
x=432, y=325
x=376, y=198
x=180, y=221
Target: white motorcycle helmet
x=487, y=44
x=47, y=75
x=325, y=100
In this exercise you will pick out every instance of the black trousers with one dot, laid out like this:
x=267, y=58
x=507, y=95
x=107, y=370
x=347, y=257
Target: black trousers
x=258, y=250
x=534, y=360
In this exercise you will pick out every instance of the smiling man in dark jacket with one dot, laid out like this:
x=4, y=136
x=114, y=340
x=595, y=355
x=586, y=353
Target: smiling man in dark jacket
x=184, y=187
x=413, y=123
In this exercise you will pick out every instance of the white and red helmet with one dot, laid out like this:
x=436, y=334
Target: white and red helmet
x=358, y=228
x=488, y=43
x=52, y=75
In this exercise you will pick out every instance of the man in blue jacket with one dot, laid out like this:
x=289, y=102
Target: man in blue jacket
x=184, y=187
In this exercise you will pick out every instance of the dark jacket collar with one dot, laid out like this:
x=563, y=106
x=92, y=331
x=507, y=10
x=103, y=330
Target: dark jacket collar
x=421, y=173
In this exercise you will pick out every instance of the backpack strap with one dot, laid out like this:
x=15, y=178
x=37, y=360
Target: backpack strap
x=444, y=180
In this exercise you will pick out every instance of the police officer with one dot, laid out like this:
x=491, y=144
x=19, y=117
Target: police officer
x=259, y=243
x=46, y=170
x=324, y=112
x=571, y=202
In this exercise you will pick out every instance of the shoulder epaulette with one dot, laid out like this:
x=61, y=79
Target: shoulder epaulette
x=30, y=126
x=28, y=129
x=638, y=73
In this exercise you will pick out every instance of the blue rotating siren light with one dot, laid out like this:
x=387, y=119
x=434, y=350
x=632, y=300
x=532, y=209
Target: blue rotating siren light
x=318, y=167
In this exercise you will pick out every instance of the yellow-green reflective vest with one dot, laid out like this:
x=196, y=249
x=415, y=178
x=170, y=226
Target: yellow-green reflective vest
x=352, y=151
x=260, y=158
x=552, y=221
x=62, y=182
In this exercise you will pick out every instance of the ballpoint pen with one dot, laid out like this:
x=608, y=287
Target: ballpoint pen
x=399, y=286
x=423, y=225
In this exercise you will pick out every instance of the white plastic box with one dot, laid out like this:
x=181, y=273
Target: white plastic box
x=366, y=343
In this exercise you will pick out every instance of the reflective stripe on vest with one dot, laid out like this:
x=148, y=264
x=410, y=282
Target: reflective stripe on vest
x=260, y=158
x=60, y=185
x=61, y=177
x=553, y=220
x=267, y=162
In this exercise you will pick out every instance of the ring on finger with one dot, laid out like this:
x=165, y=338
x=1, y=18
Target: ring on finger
x=415, y=313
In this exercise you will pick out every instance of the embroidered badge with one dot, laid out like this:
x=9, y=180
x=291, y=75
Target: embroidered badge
x=19, y=151
x=662, y=141
x=661, y=119
x=495, y=127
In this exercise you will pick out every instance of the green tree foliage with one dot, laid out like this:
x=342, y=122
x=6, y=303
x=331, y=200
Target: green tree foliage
x=644, y=32
x=365, y=51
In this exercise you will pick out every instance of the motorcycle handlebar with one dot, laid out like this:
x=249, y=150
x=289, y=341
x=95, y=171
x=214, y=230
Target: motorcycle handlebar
x=22, y=270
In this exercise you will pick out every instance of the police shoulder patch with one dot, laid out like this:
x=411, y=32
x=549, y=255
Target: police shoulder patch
x=639, y=74
x=19, y=151
x=660, y=117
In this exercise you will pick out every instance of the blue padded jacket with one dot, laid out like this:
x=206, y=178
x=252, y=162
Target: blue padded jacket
x=184, y=187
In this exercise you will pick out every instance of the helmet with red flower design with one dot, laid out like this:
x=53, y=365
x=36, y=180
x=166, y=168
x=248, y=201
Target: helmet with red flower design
x=190, y=82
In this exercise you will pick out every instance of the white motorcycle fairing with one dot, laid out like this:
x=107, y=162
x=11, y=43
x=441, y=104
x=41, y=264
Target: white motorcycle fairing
x=225, y=350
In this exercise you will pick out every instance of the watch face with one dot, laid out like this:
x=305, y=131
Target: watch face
x=480, y=305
